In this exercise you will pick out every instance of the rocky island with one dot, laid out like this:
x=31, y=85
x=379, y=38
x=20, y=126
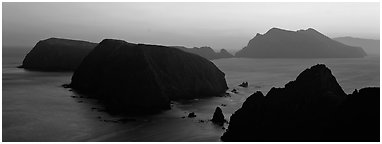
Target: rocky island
x=56, y=54
x=279, y=43
x=141, y=78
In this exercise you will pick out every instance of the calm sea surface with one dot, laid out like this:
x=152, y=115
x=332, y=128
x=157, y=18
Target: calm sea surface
x=37, y=108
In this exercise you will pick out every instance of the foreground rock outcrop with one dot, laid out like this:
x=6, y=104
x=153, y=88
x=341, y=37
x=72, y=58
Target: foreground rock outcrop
x=279, y=43
x=140, y=78
x=207, y=52
x=55, y=54
x=312, y=108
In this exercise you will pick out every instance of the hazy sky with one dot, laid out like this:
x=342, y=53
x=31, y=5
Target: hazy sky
x=219, y=25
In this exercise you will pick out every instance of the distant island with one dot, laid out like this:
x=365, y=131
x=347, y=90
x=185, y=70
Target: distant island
x=279, y=43
x=57, y=54
x=207, y=52
x=141, y=78
x=371, y=46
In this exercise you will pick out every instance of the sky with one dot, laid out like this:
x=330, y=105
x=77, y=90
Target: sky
x=218, y=25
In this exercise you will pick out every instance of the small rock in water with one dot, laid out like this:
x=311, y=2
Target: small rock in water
x=234, y=91
x=218, y=117
x=244, y=84
x=183, y=117
x=223, y=105
x=191, y=115
x=66, y=85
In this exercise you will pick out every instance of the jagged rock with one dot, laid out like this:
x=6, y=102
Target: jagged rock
x=359, y=117
x=191, y=115
x=244, y=84
x=279, y=43
x=55, y=54
x=312, y=108
x=139, y=78
x=218, y=117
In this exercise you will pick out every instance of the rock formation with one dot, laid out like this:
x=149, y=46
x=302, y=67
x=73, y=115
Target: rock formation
x=279, y=43
x=218, y=117
x=139, y=78
x=244, y=84
x=207, y=52
x=191, y=115
x=312, y=108
x=56, y=54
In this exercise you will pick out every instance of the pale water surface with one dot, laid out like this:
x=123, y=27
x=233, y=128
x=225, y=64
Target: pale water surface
x=37, y=108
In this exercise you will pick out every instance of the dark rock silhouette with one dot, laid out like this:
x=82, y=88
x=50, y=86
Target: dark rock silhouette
x=55, y=54
x=234, y=91
x=140, y=78
x=279, y=43
x=207, y=52
x=312, y=108
x=371, y=46
x=191, y=115
x=244, y=84
x=218, y=117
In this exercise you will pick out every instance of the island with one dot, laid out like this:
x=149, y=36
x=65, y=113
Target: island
x=142, y=78
x=279, y=43
x=57, y=54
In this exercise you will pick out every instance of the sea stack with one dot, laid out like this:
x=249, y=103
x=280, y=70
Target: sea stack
x=140, y=78
x=56, y=54
x=279, y=43
x=218, y=117
x=312, y=108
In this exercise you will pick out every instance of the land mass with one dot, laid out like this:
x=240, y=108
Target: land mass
x=56, y=54
x=371, y=46
x=279, y=43
x=140, y=78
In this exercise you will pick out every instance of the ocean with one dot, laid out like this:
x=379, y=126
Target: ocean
x=37, y=108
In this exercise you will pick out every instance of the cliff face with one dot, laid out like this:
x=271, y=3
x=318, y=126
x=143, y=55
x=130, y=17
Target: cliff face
x=312, y=108
x=56, y=54
x=279, y=43
x=143, y=78
x=207, y=52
